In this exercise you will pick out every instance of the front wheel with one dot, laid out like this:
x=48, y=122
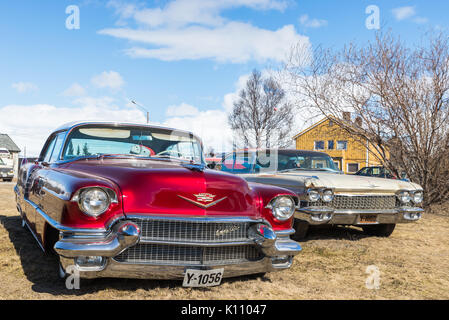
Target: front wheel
x=301, y=228
x=380, y=230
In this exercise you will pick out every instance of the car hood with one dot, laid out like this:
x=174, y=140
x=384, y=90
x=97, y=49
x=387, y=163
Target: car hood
x=167, y=187
x=339, y=182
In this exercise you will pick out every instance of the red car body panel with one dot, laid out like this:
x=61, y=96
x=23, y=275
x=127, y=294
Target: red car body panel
x=149, y=187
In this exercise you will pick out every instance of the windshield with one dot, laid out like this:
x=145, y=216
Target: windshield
x=291, y=160
x=277, y=160
x=132, y=141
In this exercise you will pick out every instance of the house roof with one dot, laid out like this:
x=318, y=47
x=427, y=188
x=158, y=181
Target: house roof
x=7, y=143
x=311, y=127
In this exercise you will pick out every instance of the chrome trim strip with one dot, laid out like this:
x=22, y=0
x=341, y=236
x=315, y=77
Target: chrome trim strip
x=116, y=269
x=60, y=227
x=197, y=244
x=352, y=217
x=285, y=233
x=213, y=219
x=119, y=240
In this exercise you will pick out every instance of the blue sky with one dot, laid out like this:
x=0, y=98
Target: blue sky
x=183, y=60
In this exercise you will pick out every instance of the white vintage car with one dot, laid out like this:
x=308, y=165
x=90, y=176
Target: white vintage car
x=327, y=196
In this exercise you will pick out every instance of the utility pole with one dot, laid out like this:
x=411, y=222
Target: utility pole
x=141, y=107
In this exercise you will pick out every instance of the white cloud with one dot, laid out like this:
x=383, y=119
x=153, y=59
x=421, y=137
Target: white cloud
x=75, y=90
x=31, y=132
x=196, y=30
x=210, y=125
x=23, y=87
x=182, y=12
x=181, y=110
x=108, y=79
x=311, y=23
x=409, y=12
x=402, y=13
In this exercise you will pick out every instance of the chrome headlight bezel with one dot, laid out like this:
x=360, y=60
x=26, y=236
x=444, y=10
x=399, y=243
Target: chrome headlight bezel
x=108, y=197
x=404, y=196
x=417, y=197
x=313, y=195
x=282, y=207
x=327, y=195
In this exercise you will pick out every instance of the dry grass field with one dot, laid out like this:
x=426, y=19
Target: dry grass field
x=413, y=262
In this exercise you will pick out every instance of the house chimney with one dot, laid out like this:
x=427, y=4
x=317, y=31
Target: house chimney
x=347, y=116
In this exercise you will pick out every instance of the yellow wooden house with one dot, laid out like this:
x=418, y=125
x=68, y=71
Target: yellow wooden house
x=349, y=154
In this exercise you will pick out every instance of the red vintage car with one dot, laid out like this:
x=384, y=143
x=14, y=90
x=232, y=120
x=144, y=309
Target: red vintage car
x=137, y=201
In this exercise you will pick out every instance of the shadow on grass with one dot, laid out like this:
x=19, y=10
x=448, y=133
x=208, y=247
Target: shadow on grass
x=330, y=232
x=42, y=268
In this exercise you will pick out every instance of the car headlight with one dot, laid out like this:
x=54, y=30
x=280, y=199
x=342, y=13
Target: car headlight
x=94, y=201
x=327, y=196
x=313, y=195
x=404, y=196
x=417, y=197
x=283, y=208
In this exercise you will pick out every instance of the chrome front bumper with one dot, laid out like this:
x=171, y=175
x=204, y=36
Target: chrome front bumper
x=327, y=215
x=277, y=247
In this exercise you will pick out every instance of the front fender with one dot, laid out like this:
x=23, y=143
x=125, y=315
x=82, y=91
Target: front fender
x=59, y=188
x=265, y=194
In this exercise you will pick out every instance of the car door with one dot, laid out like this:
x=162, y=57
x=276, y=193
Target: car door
x=35, y=181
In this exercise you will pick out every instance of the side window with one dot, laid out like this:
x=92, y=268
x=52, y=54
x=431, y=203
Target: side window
x=57, y=147
x=48, y=152
x=376, y=171
x=364, y=171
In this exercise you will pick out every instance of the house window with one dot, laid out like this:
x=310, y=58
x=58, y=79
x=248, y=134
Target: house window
x=319, y=145
x=330, y=144
x=353, y=167
x=342, y=145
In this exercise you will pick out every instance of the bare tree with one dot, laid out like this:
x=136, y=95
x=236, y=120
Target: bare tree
x=262, y=117
x=400, y=96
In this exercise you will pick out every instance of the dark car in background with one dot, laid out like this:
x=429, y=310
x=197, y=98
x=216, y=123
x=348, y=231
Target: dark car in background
x=376, y=171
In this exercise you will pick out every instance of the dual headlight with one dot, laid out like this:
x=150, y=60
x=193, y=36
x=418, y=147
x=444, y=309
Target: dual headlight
x=283, y=207
x=95, y=201
x=406, y=196
x=326, y=195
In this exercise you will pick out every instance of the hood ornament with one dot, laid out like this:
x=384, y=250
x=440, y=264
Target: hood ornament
x=203, y=200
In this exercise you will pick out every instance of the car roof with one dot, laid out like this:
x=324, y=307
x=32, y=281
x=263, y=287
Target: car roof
x=284, y=151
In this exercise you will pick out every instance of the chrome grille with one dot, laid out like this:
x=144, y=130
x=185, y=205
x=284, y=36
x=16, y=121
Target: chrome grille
x=190, y=255
x=359, y=202
x=192, y=231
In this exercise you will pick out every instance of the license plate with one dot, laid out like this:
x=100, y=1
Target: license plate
x=368, y=218
x=202, y=278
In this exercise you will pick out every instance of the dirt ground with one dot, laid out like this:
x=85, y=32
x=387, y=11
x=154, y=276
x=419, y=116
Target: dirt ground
x=413, y=264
